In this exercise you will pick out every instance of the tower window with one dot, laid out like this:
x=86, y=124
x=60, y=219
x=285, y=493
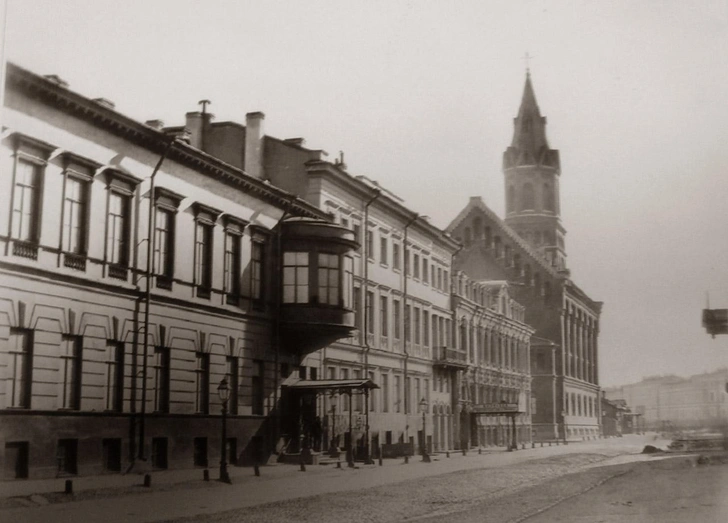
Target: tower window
x=548, y=198
x=528, y=200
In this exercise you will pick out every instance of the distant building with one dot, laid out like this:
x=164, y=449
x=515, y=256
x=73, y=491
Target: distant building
x=527, y=249
x=673, y=402
x=97, y=375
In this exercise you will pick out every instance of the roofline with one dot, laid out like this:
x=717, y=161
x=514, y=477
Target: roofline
x=34, y=85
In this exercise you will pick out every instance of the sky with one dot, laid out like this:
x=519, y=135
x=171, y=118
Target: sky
x=421, y=96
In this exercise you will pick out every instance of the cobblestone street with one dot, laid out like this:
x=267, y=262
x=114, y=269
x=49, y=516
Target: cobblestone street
x=394, y=492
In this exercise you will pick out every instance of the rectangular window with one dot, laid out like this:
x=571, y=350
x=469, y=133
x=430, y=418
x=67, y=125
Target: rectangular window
x=231, y=271
x=111, y=454
x=71, y=357
x=346, y=398
x=357, y=234
x=329, y=276
x=358, y=396
x=417, y=325
x=426, y=328
x=385, y=392
x=439, y=278
x=407, y=395
x=164, y=247
x=407, y=262
x=384, y=316
x=257, y=274
x=445, y=281
x=425, y=271
x=67, y=456
x=348, y=285
x=258, y=387
x=161, y=379
x=397, y=319
x=203, y=259
x=159, y=453
x=20, y=368
x=370, y=244
x=433, y=280
x=295, y=277
x=200, y=452
x=115, y=376
x=26, y=201
x=117, y=230
x=357, y=308
x=234, y=377
x=416, y=265
x=203, y=383
x=407, y=326
x=397, y=394
x=395, y=255
x=372, y=394
x=383, y=250
x=75, y=206
x=369, y=311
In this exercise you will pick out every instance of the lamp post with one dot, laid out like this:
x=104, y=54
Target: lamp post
x=224, y=392
x=423, y=409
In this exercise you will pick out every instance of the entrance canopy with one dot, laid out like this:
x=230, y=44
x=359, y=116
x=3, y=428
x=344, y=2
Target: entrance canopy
x=335, y=386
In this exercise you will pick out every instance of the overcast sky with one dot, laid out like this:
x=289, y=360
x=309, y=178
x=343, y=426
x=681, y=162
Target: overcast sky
x=421, y=97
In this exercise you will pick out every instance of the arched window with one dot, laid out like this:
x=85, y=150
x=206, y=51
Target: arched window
x=527, y=199
x=548, y=198
x=511, y=199
x=478, y=228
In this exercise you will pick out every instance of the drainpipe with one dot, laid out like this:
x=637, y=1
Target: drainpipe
x=407, y=322
x=148, y=296
x=377, y=194
x=277, y=316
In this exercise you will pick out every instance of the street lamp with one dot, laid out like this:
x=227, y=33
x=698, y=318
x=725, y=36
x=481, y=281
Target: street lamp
x=224, y=392
x=423, y=409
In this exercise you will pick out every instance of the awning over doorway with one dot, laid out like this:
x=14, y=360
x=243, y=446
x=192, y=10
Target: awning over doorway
x=340, y=386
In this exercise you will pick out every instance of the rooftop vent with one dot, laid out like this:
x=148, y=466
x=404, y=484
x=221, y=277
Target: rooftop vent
x=60, y=82
x=105, y=102
x=155, y=124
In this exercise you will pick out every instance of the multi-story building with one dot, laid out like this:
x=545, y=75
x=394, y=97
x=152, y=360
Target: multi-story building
x=136, y=273
x=528, y=250
x=494, y=345
x=674, y=402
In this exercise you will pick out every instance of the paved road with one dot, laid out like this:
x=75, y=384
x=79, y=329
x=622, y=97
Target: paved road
x=394, y=492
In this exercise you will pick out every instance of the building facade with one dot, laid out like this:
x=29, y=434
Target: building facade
x=136, y=273
x=667, y=403
x=528, y=250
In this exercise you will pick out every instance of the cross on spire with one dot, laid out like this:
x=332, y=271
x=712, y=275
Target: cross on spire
x=527, y=58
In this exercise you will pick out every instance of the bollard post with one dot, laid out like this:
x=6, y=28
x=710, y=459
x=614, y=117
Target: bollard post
x=206, y=475
x=147, y=480
x=303, y=466
x=69, y=486
x=381, y=461
x=256, y=469
x=447, y=453
x=338, y=464
x=406, y=459
x=533, y=445
x=465, y=453
x=480, y=451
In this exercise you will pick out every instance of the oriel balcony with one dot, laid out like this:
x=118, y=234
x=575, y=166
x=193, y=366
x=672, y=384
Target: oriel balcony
x=317, y=284
x=447, y=358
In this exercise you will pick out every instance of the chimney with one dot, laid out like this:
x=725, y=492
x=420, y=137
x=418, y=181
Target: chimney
x=105, y=102
x=155, y=124
x=193, y=124
x=254, y=144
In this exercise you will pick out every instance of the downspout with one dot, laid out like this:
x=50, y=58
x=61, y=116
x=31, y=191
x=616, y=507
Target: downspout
x=377, y=194
x=148, y=295
x=406, y=318
x=277, y=316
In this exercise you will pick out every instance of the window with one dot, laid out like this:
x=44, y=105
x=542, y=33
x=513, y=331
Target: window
x=231, y=269
x=348, y=281
x=234, y=377
x=257, y=264
x=200, y=452
x=71, y=348
x=407, y=327
x=295, y=277
x=203, y=259
x=115, y=376
x=384, y=316
x=417, y=325
x=372, y=394
x=357, y=308
x=258, y=387
x=111, y=454
x=383, y=250
x=407, y=261
x=161, y=379
x=425, y=272
x=407, y=395
x=357, y=233
x=117, y=233
x=426, y=328
x=328, y=279
x=370, y=244
x=416, y=266
x=369, y=310
x=397, y=394
x=445, y=281
x=397, y=319
x=433, y=279
x=528, y=201
x=203, y=383
x=67, y=456
x=75, y=225
x=26, y=202
x=395, y=255
x=164, y=247
x=385, y=392
x=20, y=368
x=345, y=376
